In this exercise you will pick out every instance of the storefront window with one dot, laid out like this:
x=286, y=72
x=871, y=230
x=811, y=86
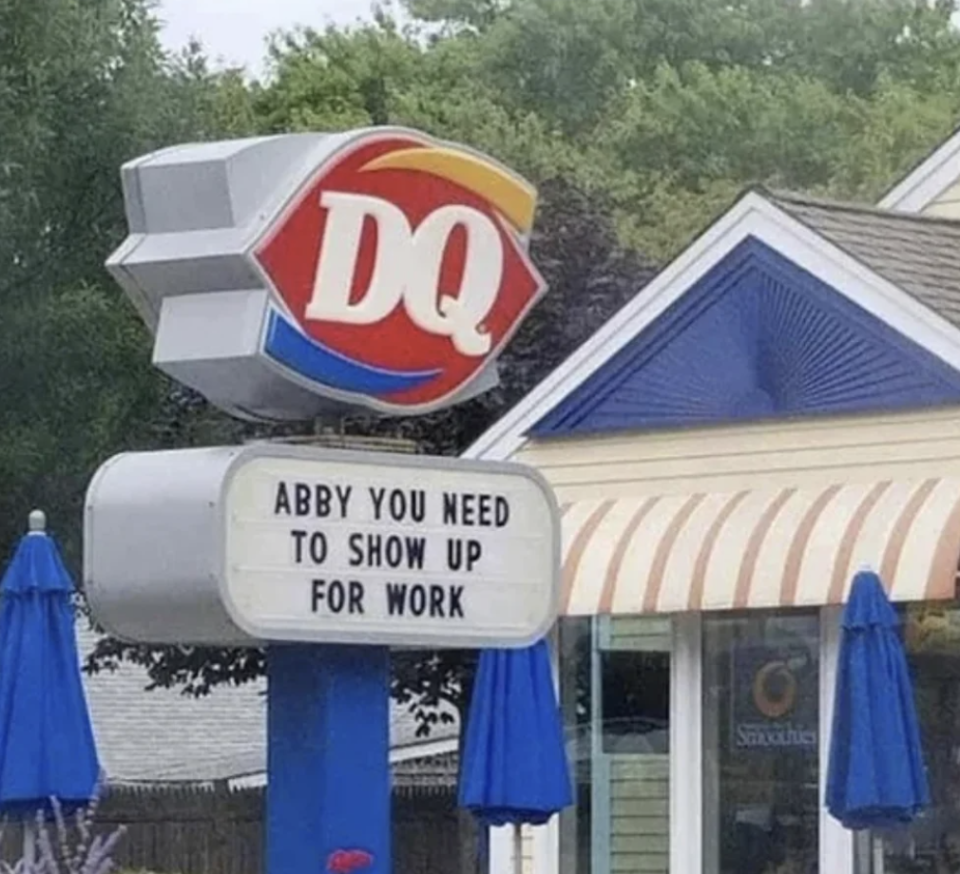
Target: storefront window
x=615, y=688
x=576, y=698
x=932, y=843
x=761, y=677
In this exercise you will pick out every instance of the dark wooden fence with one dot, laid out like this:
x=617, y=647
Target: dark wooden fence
x=218, y=831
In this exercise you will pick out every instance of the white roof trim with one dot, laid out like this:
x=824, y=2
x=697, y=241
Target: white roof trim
x=752, y=216
x=928, y=181
x=424, y=748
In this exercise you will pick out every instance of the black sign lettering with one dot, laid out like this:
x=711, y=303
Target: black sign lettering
x=400, y=505
x=298, y=537
x=456, y=605
x=356, y=598
x=435, y=601
x=468, y=508
x=338, y=596
x=417, y=599
x=355, y=545
x=479, y=511
x=301, y=499
x=393, y=551
x=331, y=501
x=316, y=546
x=396, y=598
x=416, y=547
x=321, y=501
x=463, y=554
x=377, y=496
x=324, y=498
x=454, y=553
x=343, y=499
x=474, y=551
x=375, y=548
x=317, y=594
x=449, y=508
x=281, y=504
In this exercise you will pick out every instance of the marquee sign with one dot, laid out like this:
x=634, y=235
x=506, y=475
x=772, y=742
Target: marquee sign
x=239, y=545
x=378, y=268
x=287, y=278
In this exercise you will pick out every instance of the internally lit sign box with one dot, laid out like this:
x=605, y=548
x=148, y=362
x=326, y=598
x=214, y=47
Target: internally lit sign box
x=305, y=275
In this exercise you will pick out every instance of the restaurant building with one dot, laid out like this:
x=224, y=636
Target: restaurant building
x=779, y=408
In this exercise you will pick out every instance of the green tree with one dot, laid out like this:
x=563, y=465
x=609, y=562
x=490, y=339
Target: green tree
x=673, y=106
x=83, y=88
x=554, y=51
x=381, y=73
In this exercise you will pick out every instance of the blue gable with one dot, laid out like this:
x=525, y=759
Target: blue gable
x=756, y=338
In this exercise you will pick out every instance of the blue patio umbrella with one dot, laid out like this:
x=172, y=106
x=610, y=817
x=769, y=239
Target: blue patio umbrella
x=876, y=777
x=514, y=768
x=47, y=748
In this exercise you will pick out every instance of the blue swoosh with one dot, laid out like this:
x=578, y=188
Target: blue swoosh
x=286, y=345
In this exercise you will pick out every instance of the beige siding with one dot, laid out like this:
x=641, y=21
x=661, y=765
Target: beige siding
x=809, y=452
x=640, y=633
x=946, y=204
x=639, y=783
x=639, y=824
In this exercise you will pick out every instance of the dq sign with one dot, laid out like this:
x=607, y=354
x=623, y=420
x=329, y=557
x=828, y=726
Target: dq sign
x=401, y=271
x=379, y=268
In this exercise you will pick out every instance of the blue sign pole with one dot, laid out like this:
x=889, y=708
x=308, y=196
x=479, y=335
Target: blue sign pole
x=328, y=759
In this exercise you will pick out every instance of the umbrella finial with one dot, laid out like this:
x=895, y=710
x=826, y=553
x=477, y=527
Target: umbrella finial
x=37, y=522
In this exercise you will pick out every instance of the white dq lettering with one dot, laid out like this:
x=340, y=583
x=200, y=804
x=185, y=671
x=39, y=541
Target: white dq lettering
x=406, y=269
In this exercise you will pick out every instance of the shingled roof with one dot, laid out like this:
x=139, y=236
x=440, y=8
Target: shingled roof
x=919, y=254
x=163, y=736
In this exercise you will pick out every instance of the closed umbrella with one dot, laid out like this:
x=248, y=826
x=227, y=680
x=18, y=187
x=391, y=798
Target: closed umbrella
x=514, y=768
x=47, y=747
x=876, y=777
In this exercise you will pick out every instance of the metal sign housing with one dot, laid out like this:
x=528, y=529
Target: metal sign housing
x=378, y=268
x=233, y=546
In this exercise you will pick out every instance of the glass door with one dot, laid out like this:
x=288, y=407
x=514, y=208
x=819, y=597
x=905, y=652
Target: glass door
x=631, y=746
x=761, y=737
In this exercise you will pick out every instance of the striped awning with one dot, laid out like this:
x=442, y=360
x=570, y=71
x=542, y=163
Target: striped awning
x=759, y=548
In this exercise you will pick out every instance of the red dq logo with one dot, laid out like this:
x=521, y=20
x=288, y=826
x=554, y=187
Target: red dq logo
x=348, y=861
x=400, y=271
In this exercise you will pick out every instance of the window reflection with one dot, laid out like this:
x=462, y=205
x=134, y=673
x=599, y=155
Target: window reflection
x=576, y=698
x=761, y=736
x=932, y=844
x=615, y=689
x=636, y=701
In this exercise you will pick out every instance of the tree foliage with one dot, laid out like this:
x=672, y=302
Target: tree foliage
x=83, y=87
x=666, y=107
x=638, y=119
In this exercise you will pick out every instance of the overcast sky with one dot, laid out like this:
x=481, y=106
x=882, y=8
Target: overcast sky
x=236, y=30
